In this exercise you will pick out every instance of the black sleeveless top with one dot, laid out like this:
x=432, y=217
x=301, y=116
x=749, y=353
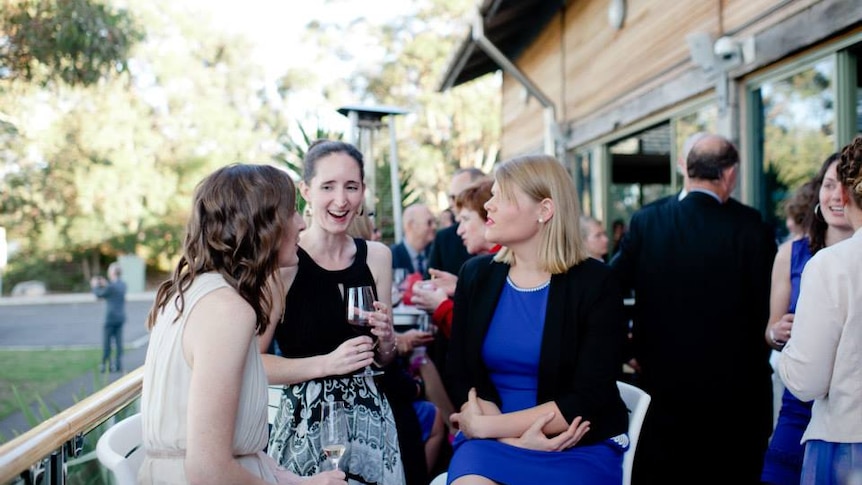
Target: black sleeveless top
x=314, y=320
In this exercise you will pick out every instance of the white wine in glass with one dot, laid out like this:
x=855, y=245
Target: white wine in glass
x=360, y=304
x=333, y=432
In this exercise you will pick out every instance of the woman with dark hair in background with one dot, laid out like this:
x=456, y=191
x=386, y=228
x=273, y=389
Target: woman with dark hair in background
x=820, y=361
x=825, y=225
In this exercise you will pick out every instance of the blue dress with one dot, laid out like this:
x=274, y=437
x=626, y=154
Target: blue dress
x=782, y=464
x=511, y=353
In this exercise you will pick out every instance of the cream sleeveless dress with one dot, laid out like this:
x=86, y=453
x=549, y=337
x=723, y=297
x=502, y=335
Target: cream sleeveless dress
x=165, y=397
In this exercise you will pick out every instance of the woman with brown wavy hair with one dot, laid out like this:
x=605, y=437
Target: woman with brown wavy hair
x=204, y=395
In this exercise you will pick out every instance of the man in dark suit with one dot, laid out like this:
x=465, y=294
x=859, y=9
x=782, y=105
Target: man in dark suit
x=412, y=253
x=447, y=251
x=700, y=269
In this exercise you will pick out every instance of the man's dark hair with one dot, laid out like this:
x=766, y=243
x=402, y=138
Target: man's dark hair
x=709, y=157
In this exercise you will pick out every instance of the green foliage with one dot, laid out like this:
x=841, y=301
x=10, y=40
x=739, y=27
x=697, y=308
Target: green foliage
x=30, y=375
x=76, y=41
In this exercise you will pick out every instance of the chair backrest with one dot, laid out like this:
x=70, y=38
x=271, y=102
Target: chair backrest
x=274, y=402
x=637, y=402
x=121, y=449
x=439, y=479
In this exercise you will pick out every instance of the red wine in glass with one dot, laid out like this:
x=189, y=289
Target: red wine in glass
x=360, y=304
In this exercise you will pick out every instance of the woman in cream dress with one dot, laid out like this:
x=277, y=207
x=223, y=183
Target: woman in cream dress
x=204, y=393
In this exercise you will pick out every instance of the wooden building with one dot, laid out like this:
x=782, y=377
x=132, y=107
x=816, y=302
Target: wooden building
x=613, y=88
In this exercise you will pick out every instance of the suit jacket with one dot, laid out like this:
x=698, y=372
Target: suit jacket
x=447, y=251
x=581, y=342
x=401, y=258
x=701, y=272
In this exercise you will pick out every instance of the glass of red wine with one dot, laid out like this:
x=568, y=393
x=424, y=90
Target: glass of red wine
x=360, y=304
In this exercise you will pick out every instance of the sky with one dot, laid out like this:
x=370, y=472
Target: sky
x=276, y=26
x=276, y=29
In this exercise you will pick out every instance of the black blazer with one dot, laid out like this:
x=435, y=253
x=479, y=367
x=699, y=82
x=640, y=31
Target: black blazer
x=701, y=275
x=447, y=251
x=401, y=258
x=582, y=342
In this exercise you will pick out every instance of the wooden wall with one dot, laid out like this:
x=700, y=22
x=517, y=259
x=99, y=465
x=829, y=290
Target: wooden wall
x=587, y=67
x=523, y=119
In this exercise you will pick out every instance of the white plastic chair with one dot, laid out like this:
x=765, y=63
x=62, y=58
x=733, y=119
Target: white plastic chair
x=637, y=401
x=121, y=450
x=439, y=479
x=274, y=402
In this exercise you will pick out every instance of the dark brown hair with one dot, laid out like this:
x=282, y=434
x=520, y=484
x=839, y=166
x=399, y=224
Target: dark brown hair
x=240, y=214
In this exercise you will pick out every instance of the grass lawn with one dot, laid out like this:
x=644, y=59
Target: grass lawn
x=39, y=372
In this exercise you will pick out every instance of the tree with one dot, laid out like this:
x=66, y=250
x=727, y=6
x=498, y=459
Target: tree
x=76, y=41
x=91, y=174
x=443, y=131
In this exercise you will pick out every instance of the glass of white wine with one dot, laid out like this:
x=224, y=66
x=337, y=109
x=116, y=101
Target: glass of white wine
x=333, y=432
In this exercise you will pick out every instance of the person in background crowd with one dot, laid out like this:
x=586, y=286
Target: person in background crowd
x=113, y=291
x=826, y=224
x=700, y=269
x=447, y=251
x=413, y=252
x=435, y=295
x=445, y=219
x=618, y=230
x=363, y=227
x=820, y=361
x=798, y=206
x=320, y=350
x=595, y=239
x=536, y=339
x=204, y=401
x=682, y=161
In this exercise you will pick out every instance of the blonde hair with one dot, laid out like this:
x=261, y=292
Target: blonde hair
x=543, y=177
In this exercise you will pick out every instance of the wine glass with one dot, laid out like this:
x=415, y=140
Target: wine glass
x=333, y=431
x=399, y=275
x=360, y=304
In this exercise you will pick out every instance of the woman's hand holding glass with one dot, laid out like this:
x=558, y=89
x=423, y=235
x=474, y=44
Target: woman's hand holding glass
x=349, y=357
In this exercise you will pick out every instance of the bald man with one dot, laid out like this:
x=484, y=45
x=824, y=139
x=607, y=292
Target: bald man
x=412, y=253
x=700, y=269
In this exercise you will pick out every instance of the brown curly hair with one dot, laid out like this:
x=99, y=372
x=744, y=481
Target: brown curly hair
x=850, y=169
x=240, y=213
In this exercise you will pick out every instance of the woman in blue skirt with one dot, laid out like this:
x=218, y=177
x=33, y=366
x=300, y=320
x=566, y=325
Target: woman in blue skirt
x=537, y=335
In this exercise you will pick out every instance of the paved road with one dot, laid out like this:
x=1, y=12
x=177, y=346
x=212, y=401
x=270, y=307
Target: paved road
x=67, y=321
x=66, y=324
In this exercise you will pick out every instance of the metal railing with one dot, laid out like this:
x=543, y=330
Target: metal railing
x=44, y=450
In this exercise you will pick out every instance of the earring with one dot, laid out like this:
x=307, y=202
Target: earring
x=541, y=220
x=818, y=212
x=307, y=211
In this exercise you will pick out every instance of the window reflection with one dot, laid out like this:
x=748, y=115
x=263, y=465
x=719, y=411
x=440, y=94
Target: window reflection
x=799, y=122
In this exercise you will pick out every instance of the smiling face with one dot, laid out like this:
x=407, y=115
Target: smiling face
x=334, y=192
x=830, y=199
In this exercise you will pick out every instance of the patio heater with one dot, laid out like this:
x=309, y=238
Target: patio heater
x=364, y=123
